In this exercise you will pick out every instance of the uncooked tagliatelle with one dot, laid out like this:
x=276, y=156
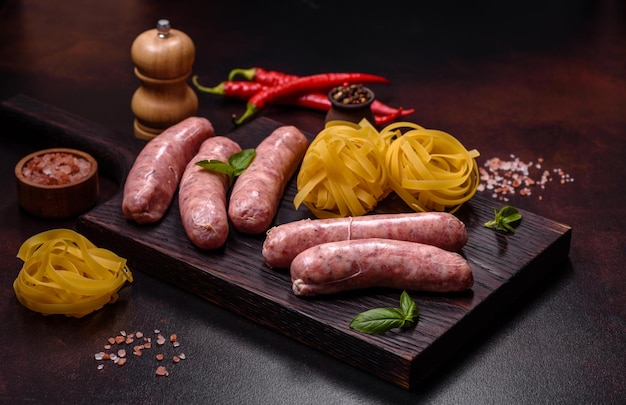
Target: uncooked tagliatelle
x=64, y=273
x=428, y=168
x=342, y=173
x=349, y=168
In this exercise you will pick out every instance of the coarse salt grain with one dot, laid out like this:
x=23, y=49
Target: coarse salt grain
x=56, y=168
x=119, y=357
x=506, y=178
x=161, y=370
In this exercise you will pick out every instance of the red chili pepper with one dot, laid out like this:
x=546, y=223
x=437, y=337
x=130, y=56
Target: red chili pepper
x=242, y=90
x=316, y=101
x=385, y=119
x=320, y=101
x=303, y=85
x=273, y=77
x=257, y=74
x=379, y=107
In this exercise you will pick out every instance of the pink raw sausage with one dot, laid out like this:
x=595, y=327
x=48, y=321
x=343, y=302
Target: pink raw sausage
x=257, y=192
x=284, y=242
x=154, y=177
x=366, y=263
x=202, y=195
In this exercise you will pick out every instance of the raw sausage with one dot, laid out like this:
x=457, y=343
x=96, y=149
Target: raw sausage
x=257, y=192
x=366, y=263
x=154, y=177
x=284, y=242
x=202, y=195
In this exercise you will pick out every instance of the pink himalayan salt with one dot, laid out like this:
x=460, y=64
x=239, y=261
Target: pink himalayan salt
x=58, y=168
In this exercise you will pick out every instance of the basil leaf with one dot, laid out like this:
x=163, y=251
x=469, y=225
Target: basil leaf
x=408, y=307
x=236, y=165
x=241, y=160
x=507, y=219
x=216, y=166
x=378, y=320
x=510, y=214
x=381, y=320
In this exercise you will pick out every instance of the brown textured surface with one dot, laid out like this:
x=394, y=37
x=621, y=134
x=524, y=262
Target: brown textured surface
x=534, y=79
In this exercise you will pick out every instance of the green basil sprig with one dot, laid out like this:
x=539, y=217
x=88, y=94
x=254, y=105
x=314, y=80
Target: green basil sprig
x=507, y=219
x=237, y=163
x=381, y=320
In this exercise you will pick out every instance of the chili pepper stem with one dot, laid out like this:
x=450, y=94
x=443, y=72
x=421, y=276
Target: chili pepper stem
x=219, y=89
x=251, y=109
x=248, y=74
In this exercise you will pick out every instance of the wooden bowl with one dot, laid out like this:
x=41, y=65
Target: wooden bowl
x=49, y=185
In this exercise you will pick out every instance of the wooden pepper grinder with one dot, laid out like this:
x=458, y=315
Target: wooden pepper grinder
x=163, y=59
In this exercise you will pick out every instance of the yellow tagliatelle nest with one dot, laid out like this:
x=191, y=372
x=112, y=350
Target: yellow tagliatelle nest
x=430, y=169
x=343, y=172
x=348, y=168
x=64, y=273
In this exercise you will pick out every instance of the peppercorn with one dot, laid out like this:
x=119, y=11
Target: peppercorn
x=350, y=94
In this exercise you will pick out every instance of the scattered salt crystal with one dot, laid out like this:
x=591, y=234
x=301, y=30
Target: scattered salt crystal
x=162, y=371
x=505, y=178
x=120, y=358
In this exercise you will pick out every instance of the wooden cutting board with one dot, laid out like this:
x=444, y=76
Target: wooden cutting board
x=236, y=278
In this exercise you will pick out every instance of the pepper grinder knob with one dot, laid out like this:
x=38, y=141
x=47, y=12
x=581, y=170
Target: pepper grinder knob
x=163, y=59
